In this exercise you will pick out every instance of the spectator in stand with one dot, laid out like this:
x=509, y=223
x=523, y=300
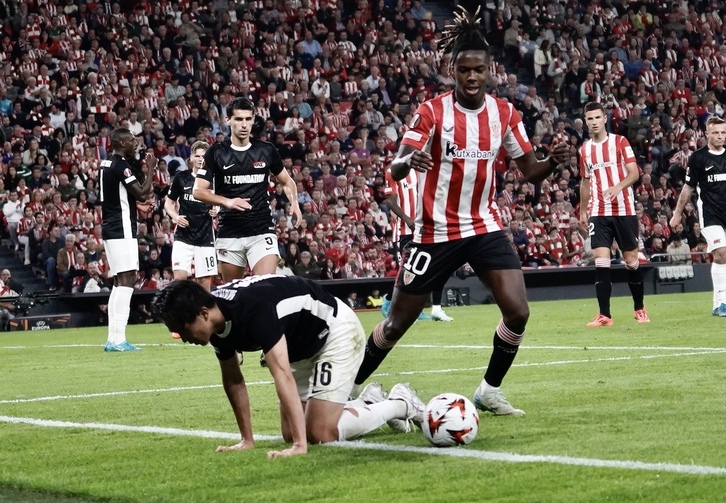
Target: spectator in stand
x=678, y=251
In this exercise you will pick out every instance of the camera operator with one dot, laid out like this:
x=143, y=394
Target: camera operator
x=10, y=290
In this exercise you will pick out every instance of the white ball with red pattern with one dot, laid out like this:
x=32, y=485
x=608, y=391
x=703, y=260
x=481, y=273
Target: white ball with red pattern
x=450, y=419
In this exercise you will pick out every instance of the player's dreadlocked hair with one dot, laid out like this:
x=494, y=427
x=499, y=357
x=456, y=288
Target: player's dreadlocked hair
x=464, y=35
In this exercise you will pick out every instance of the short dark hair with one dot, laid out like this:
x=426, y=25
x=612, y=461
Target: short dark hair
x=181, y=302
x=239, y=103
x=593, y=106
x=117, y=135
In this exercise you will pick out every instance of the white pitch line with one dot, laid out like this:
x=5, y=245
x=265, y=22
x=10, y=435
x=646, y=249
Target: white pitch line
x=382, y=374
x=505, y=457
x=63, y=346
x=567, y=348
x=120, y=393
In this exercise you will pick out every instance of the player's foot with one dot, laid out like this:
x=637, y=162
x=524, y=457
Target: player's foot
x=601, y=321
x=714, y=312
x=175, y=335
x=722, y=310
x=27, y=261
x=492, y=400
x=119, y=348
x=386, y=306
x=414, y=406
x=641, y=315
x=423, y=316
x=440, y=315
x=373, y=393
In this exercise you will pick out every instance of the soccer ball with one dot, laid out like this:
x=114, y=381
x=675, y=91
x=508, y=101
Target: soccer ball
x=450, y=419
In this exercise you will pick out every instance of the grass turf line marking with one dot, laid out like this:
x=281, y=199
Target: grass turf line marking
x=505, y=457
x=63, y=346
x=383, y=374
x=566, y=348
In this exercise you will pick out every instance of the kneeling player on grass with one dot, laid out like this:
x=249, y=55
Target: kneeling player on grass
x=313, y=344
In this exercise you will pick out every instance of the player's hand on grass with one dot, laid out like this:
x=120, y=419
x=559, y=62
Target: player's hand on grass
x=244, y=445
x=295, y=450
x=238, y=203
x=182, y=221
x=421, y=161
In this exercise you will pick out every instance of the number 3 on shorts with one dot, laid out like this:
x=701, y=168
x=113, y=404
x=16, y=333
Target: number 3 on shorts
x=418, y=261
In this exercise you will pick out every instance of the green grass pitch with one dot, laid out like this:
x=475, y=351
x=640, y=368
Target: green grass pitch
x=629, y=413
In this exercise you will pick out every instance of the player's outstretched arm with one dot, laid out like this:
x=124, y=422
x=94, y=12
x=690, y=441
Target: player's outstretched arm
x=236, y=389
x=290, y=188
x=409, y=158
x=279, y=364
x=686, y=194
x=535, y=170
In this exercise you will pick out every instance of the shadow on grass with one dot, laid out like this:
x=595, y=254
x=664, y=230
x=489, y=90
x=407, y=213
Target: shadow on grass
x=20, y=495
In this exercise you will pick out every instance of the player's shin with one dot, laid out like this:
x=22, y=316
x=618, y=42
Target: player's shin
x=603, y=286
x=718, y=277
x=121, y=309
x=635, y=282
x=506, y=345
x=377, y=348
x=354, y=423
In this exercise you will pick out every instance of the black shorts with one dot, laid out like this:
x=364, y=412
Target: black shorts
x=624, y=230
x=427, y=267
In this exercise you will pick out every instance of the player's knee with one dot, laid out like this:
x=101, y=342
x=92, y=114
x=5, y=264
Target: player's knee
x=516, y=319
x=323, y=434
x=393, y=329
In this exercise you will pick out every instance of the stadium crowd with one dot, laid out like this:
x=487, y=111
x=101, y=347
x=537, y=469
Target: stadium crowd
x=335, y=84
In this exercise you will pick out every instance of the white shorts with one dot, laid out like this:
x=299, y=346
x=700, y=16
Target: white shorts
x=122, y=255
x=249, y=250
x=204, y=259
x=715, y=237
x=330, y=374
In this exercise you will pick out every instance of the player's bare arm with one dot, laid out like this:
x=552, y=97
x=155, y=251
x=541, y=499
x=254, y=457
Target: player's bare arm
x=141, y=190
x=683, y=199
x=535, y=170
x=279, y=364
x=170, y=208
x=202, y=192
x=409, y=158
x=584, y=198
x=633, y=176
x=392, y=201
x=290, y=188
x=236, y=390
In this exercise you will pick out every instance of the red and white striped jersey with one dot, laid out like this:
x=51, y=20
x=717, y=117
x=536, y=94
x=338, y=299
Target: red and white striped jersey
x=457, y=197
x=604, y=164
x=406, y=192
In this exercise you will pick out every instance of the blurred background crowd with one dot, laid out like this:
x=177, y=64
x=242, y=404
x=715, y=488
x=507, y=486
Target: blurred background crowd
x=334, y=84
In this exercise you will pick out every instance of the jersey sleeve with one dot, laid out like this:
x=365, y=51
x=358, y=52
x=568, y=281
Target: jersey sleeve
x=124, y=173
x=516, y=141
x=584, y=172
x=210, y=167
x=175, y=191
x=693, y=171
x=421, y=127
x=391, y=187
x=626, y=151
x=276, y=166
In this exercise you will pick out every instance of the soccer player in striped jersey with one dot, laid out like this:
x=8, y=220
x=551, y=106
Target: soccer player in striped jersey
x=706, y=176
x=120, y=191
x=313, y=343
x=608, y=170
x=401, y=198
x=452, y=144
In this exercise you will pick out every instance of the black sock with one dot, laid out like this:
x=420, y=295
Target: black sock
x=604, y=289
x=635, y=282
x=502, y=357
x=374, y=356
x=436, y=297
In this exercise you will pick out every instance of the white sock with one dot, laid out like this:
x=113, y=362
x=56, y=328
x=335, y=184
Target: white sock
x=121, y=311
x=355, y=404
x=435, y=308
x=484, y=387
x=354, y=423
x=718, y=276
x=110, y=311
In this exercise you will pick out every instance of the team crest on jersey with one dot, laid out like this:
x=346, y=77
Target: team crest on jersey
x=127, y=172
x=415, y=121
x=259, y=164
x=495, y=128
x=408, y=277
